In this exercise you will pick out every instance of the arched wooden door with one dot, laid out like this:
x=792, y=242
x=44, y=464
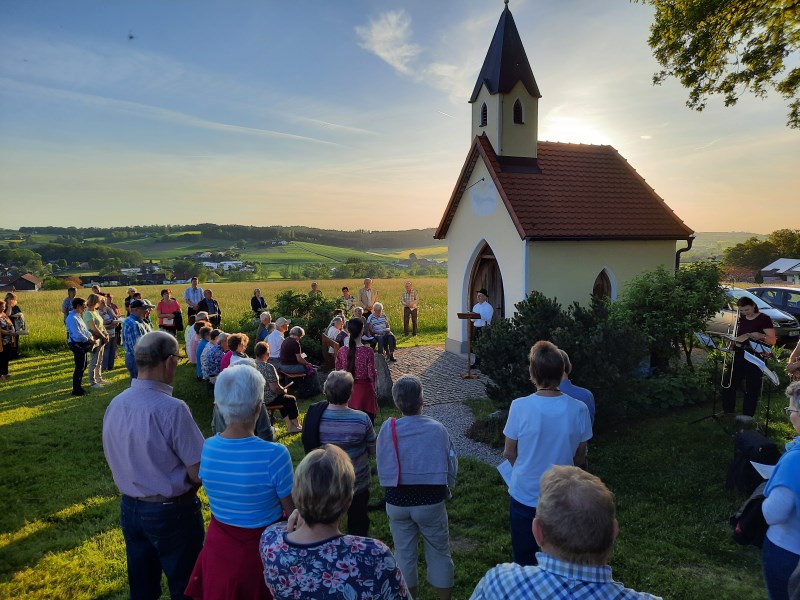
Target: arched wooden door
x=486, y=274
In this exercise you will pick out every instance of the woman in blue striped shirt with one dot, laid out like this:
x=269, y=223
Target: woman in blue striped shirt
x=249, y=486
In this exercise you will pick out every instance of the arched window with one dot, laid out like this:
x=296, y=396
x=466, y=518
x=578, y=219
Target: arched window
x=518, y=112
x=483, y=115
x=602, y=286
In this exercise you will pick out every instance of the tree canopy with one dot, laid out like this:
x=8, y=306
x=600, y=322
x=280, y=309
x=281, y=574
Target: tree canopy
x=757, y=254
x=729, y=47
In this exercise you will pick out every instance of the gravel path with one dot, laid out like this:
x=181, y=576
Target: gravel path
x=445, y=392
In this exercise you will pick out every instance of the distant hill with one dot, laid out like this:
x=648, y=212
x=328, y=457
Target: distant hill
x=261, y=251
x=711, y=244
x=275, y=250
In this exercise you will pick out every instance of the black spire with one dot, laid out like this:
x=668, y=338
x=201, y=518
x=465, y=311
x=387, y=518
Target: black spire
x=506, y=62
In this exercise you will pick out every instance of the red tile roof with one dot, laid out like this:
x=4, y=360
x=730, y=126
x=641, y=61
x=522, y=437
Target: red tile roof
x=578, y=192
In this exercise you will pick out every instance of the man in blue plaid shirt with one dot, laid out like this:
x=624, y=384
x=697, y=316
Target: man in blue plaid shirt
x=575, y=526
x=134, y=327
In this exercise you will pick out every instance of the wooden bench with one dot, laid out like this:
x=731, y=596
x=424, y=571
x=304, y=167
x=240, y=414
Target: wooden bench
x=287, y=377
x=271, y=411
x=329, y=351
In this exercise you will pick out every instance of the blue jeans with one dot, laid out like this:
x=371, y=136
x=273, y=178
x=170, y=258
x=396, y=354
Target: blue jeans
x=161, y=536
x=523, y=544
x=79, y=354
x=110, y=354
x=130, y=364
x=778, y=565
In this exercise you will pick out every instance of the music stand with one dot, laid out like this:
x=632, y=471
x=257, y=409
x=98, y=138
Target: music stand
x=709, y=345
x=469, y=316
x=765, y=351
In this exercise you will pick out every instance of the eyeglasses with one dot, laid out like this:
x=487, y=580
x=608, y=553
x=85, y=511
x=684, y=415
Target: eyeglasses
x=789, y=411
x=177, y=357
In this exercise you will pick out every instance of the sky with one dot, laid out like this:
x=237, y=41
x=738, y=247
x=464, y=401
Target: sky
x=344, y=115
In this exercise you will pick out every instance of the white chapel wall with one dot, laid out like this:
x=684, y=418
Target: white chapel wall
x=481, y=216
x=567, y=270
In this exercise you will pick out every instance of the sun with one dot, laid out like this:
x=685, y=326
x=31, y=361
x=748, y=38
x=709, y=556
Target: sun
x=558, y=128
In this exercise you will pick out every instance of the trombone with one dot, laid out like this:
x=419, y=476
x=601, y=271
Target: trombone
x=732, y=353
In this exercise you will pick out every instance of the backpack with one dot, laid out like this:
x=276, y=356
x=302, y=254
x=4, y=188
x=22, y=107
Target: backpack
x=311, y=422
x=750, y=446
x=748, y=523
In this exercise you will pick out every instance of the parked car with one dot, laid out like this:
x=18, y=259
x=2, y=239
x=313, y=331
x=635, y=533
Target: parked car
x=786, y=299
x=787, y=329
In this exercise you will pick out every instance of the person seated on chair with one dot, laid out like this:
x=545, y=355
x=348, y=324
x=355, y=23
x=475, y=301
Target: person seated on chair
x=575, y=526
x=335, y=328
x=292, y=359
x=263, y=427
x=274, y=393
x=378, y=324
x=213, y=353
x=204, y=335
x=265, y=320
x=275, y=340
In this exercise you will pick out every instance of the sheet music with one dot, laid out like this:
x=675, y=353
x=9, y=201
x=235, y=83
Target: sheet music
x=764, y=470
x=752, y=358
x=705, y=340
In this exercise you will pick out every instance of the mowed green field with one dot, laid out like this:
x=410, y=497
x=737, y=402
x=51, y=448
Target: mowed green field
x=43, y=309
x=293, y=253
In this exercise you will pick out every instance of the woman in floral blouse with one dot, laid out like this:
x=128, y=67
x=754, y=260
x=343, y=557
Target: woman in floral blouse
x=359, y=361
x=310, y=558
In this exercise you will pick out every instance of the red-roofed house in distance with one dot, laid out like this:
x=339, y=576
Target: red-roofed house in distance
x=566, y=220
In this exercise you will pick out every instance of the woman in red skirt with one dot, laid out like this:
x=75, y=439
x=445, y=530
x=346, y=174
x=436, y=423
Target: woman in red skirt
x=359, y=361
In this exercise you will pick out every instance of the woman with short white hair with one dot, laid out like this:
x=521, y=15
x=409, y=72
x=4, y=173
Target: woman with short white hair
x=292, y=359
x=781, y=551
x=249, y=485
x=378, y=325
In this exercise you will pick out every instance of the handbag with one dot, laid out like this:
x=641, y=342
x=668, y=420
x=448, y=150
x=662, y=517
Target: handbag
x=178, y=316
x=748, y=523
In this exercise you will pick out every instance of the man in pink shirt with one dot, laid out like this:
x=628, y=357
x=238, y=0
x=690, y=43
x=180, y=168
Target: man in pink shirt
x=153, y=447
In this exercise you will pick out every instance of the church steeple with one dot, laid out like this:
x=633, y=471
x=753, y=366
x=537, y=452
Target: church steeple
x=505, y=98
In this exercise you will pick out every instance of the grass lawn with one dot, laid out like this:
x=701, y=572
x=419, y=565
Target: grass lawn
x=60, y=537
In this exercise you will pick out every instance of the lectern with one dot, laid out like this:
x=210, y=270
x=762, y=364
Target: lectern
x=469, y=316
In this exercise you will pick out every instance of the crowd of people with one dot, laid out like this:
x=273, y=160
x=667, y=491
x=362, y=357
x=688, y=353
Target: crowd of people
x=276, y=532
x=275, y=529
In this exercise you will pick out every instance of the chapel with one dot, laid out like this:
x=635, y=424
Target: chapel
x=567, y=220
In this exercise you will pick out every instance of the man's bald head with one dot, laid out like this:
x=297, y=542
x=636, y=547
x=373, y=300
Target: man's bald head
x=154, y=348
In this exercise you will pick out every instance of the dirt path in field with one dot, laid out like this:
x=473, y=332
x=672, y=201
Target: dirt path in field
x=445, y=392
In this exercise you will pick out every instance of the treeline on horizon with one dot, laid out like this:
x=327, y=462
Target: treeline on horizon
x=360, y=239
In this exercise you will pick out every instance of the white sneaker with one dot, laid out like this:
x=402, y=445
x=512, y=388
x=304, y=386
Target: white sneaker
x=96, y=385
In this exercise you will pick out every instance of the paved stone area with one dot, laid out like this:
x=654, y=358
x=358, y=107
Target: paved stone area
x=445, y=392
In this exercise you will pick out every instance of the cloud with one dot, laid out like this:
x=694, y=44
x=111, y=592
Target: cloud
x=150, y=112
x=389, y=38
